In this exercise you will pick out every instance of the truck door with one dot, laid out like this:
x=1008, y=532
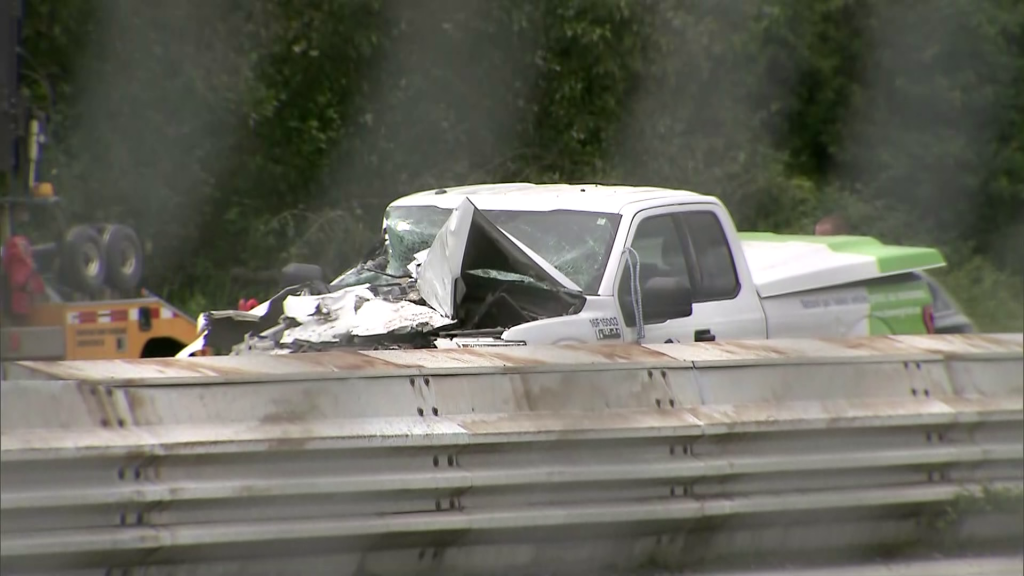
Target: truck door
x=685, y=254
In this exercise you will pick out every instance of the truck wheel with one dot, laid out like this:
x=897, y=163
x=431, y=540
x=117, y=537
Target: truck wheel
x=82, y=263
x=123, y=252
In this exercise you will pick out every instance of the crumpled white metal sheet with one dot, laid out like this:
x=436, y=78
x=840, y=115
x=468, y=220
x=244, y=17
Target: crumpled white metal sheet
x=355, y=311
x=436, y=275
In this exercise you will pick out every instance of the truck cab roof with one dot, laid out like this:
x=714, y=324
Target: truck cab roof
x=611, y=199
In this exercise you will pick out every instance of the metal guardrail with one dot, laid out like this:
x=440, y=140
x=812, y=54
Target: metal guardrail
x=1009, y=565
x=474, y=461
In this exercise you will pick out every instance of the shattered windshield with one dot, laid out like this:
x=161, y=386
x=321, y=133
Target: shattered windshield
x=576, y=243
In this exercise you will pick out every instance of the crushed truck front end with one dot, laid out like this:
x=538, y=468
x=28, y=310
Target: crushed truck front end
x=598, y=322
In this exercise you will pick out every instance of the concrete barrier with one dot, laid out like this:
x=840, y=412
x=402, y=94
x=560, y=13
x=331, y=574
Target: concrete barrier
x=698, y=456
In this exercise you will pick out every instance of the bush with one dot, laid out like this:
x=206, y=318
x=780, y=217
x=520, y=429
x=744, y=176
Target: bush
x=992, y=297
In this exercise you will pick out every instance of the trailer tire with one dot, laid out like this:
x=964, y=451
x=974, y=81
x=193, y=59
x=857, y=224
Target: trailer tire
x=82, y=263
x=123, y=253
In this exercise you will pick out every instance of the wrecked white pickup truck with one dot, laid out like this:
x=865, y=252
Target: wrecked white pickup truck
x=517, y=264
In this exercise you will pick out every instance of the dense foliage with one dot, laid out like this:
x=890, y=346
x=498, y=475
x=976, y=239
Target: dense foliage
x=253, y=132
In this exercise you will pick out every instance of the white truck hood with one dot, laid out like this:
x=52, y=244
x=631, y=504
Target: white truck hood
x=784, y=264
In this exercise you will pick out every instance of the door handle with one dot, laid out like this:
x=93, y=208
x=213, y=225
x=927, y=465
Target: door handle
x=703, y=335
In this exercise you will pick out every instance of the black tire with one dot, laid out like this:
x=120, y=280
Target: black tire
x=82, y=264
x=123, y=252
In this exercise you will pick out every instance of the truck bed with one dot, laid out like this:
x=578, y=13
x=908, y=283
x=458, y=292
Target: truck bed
x=786, y=264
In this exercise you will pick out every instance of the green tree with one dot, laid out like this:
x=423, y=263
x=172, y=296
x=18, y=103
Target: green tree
x=253, y=132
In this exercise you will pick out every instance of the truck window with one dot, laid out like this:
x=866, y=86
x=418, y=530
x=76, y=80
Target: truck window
x=576, y=242
x=712, y=269
x=663, y=254
x=658, y=244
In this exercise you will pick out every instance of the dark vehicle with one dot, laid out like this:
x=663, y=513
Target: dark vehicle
x=949, y=318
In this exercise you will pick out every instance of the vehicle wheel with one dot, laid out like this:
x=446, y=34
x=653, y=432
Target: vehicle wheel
x=123, y=252
x=82, y=263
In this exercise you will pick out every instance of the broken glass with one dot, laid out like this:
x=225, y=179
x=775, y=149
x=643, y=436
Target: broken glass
x=576, y=243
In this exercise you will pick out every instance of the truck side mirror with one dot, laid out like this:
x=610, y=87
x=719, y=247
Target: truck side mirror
x=665, y=298
x=661, y=298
